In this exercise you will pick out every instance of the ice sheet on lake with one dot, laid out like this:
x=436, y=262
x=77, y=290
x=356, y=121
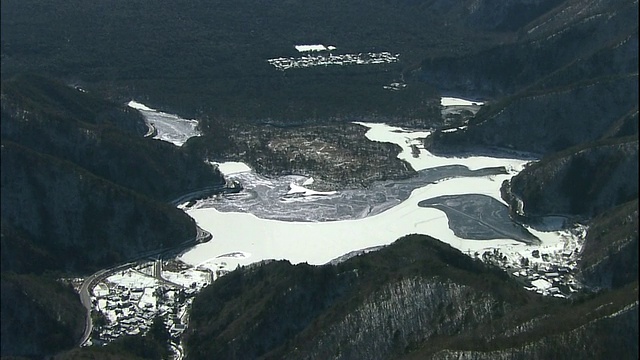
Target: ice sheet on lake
x=480, y=217
x=269, y=198
x=320, y=242
x=232, y=167
x=251, y=222
x=411, y=143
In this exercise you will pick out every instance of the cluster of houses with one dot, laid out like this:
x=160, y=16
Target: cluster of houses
x=306, y=61
x=127, y=303
x=548, y=271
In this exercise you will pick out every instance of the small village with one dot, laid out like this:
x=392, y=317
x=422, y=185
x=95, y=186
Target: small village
x=306, y=61
x=548, y=270
x=127, y=301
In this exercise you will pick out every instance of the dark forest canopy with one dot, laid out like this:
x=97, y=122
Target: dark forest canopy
x=202, y=56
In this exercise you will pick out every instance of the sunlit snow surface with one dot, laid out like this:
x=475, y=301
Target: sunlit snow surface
x=452, y=101
x=305, y=48
x=245, y=223
x=285, y=218
x=168, y=127
x=230, y=168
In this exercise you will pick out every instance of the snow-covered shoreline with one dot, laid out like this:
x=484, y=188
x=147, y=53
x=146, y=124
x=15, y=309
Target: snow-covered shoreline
x=318, y=243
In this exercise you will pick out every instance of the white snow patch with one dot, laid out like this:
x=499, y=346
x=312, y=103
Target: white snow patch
x=132, y=279
x=426, y=160
x=541, y=284
x=138, y=106
x=451, y=101
x=297, y=189
x=306, y=48
x=232, y=167
x=186, y=278
x=147, y=300
x=102, y=304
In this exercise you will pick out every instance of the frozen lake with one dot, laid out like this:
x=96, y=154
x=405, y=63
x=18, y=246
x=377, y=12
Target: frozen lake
x=268, y=198
x=454, y=199
x=265, y=222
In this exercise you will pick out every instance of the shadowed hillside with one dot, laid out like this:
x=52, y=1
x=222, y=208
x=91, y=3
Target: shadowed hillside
x=416, y=298
x=571, y=76
x=81, y=190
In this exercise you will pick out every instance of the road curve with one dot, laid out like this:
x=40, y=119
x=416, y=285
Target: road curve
x=89, y=283
x=85, y=296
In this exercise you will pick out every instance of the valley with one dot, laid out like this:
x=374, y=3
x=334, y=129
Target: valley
x=198, y=179
x=280, y=218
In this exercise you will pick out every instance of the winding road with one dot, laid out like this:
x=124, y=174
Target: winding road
x=90, y=282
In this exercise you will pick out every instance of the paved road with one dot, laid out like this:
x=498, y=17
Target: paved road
x=91, y=281
x=85, y=295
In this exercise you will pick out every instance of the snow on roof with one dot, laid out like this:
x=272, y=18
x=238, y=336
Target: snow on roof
x=148, y=299
x=541, y=284
x=100, y=290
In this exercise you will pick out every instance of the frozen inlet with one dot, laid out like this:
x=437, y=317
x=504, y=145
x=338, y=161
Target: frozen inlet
x=166, y=127
x=452, y=101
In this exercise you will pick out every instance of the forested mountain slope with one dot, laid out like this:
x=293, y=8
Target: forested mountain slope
x=610, y=256
x=417, y=298
x=39, y=316
x=199, y=57
x=579, y=182
x=571, y=76
x=75, y=220
x=77, y=172
x=81, y=190
x=100, y=136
